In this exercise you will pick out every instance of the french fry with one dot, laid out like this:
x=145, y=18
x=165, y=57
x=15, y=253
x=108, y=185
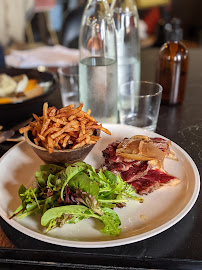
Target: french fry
x=78, y=145
x=25, y=129
x=68, y=107
x=42, y=138
x=45, y=111
x=51, y=130
x=57, y=120
x=94, y=138
x=105, y=130
x=50, y=145
x=65, y=141
x=36, y=117
x=45, y=126
x=36, y=141
x=52, y=111
x=88, y=111
x=80, y=139
x=66, y=128
x=58, y=139
x=72, y=117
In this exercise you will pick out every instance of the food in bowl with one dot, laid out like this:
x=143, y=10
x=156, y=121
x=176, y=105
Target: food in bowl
x=19, y=88
x=15, y=110
x=65, y=128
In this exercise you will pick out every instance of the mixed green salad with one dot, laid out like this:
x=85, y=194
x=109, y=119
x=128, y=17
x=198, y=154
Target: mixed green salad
x=75, y=192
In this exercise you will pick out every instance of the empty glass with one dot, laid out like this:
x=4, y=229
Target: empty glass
x=69, y=85
x=139, y=104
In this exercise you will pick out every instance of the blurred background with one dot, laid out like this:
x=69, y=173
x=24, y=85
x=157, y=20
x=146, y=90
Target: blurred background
x=26, y=24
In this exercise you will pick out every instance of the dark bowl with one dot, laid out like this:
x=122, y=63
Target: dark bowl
x=60, y=157
x=13, y=113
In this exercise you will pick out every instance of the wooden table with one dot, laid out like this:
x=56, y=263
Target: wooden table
x=179, y=247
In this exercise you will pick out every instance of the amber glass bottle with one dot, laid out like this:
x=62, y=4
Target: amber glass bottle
x=172, y=66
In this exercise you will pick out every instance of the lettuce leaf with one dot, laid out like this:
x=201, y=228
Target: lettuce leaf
x=70, y=172
x=111, y=222
x=75, y=192
x=82, y=181
x=54, y=216
x=58, y=216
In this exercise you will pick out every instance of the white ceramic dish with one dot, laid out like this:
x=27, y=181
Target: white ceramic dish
x=160, y=210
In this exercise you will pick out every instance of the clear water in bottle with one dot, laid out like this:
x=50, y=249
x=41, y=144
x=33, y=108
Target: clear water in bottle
x=128, y=70
x=97, y=82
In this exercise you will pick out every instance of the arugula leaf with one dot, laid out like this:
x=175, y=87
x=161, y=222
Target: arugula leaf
x=128, y=190
x=110, y=176
x=103, y=180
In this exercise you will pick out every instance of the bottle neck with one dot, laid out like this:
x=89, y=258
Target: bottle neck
x=175, y=35
x=127, y=5
x=98, y=2
x=174, y=32
x=97, y=33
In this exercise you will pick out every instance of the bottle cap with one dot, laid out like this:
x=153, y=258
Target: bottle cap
x=176, y=32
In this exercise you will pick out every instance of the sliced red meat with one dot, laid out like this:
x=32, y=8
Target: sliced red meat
x=110, y=153
x=145, y=186
x=154, y=179
x=121, y=166
x=135, y=172
x=162, y=144
x=158, y=175
x=141, y=174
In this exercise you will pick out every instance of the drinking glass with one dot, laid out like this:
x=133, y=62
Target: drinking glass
x=69, y=85
x=139, y=103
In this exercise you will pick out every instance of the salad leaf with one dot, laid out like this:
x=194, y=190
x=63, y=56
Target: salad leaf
x=102, y=179
x=111, y=222
x=71, y=171
x=27, y=195
x=50, y=202
x=46, y=170
x=75, y=192
x=54, y=182
x=88, y=200
x=58, y=216
x=83, y=181
x=52, y=217
x=41, y=178
x=110, y=176
x=51, y=168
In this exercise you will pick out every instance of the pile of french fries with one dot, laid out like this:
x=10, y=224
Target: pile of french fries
x=66, y=128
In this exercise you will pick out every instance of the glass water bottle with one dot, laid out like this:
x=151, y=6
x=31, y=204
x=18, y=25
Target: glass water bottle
x=126, y=19
x=98, y=62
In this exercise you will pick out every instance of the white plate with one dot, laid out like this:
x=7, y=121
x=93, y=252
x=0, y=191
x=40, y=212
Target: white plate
x=160, y=210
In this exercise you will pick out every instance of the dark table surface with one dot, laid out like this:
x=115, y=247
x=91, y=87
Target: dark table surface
x=179, y=247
